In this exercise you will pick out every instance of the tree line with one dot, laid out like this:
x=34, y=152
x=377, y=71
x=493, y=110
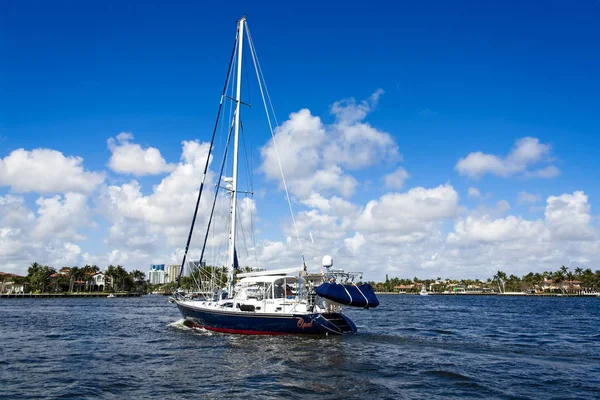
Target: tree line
x=43, y=278
x=562, y=280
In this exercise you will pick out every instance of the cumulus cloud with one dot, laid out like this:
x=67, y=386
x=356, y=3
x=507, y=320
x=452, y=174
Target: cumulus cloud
x=61, y=216
x=46, y=236
x=152, y=223
x=348, y=112
x=488, y=230
x=315, y=156
x=568, y=216
x=131, y=158
x=528, y=198
x=525, y=153
x=474, y=192
x=355, y=242
x=396, y=179
x=394, y=234
x=408, y=234
x=46, y=171
x=522, y=245
x=409, y=212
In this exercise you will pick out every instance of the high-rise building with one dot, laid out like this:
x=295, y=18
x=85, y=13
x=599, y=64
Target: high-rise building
x=172, y=273
x=192, y=265
x=156, y=274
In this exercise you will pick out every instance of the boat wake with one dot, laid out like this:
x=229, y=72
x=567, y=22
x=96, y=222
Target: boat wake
x=184, y=325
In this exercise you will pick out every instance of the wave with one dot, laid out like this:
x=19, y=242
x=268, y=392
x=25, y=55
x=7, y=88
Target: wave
x=183, y=325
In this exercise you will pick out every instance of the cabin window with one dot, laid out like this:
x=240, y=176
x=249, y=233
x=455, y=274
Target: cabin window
x=279, y=291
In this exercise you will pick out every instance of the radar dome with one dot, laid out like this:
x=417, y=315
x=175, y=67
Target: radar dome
x=327, y=261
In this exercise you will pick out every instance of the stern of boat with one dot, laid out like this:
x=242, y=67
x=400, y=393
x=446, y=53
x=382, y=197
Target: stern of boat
x=337, y=323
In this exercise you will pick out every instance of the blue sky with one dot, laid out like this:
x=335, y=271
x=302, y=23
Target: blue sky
x=459, y=77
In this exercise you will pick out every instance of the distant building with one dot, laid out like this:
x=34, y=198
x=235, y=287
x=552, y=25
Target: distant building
x=172, y=273
x=156, y=274
x=403, y=288
x=192, y=265
x=98, y=282
x=7, y=284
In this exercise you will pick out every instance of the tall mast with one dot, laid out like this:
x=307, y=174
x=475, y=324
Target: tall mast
x=238, y=99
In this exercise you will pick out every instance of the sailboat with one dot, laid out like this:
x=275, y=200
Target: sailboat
x=268, y=302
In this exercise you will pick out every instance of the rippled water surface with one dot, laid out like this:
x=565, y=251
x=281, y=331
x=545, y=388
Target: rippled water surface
x=409, y=347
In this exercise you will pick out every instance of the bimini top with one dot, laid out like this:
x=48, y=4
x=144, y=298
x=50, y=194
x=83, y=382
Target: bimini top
x=279, y=272
x=269, y=279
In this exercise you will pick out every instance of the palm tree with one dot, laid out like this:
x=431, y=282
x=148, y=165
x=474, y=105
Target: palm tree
x=33, y=275
x=570, y=277
x=123, y=280
x=538, y=280
x=138, y=278
x=500, y=278
x=74, y=274
x=559, y=278
x=110, y=274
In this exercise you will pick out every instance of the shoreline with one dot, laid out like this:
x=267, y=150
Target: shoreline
x=495, y=294
x=64, y=295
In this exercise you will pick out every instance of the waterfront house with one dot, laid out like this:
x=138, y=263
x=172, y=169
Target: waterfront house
x=97, y=282
x=11, y=287
x=403, y=288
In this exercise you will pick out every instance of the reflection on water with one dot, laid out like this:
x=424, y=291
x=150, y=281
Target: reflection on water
x=409, y=347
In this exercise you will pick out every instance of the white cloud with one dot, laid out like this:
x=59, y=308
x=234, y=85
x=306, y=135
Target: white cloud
x=314, y=156
x=348, y=112
x=528, y=198
x=568, y=216
x=474, y=192
x=396, y=179
x=329, y=179
x=158, y=223
x=354, y=243
x=315, y=200
x=46, y=171
x=526, y=152
x=61, y=216
x=131, y=158
x=485, y=229
x=548, y=172
x=519, y=246
x=46, y=238
x=409, y=212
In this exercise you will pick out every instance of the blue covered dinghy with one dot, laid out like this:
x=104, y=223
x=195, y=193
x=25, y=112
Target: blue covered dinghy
x=349, y=295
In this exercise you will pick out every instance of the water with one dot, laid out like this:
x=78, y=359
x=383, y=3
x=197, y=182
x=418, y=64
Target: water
x=410, y=347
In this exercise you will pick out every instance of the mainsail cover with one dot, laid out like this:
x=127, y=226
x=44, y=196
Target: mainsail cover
x=350, y=295
x=236, y=264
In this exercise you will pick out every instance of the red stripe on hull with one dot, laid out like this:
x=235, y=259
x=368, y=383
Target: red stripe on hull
x=240, y=331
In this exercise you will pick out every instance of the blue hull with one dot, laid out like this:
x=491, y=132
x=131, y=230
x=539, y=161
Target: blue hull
x=269, y=324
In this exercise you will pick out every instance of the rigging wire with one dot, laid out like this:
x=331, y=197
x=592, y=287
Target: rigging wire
x=212, y=140
x=216, y=193
x=262, y=81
